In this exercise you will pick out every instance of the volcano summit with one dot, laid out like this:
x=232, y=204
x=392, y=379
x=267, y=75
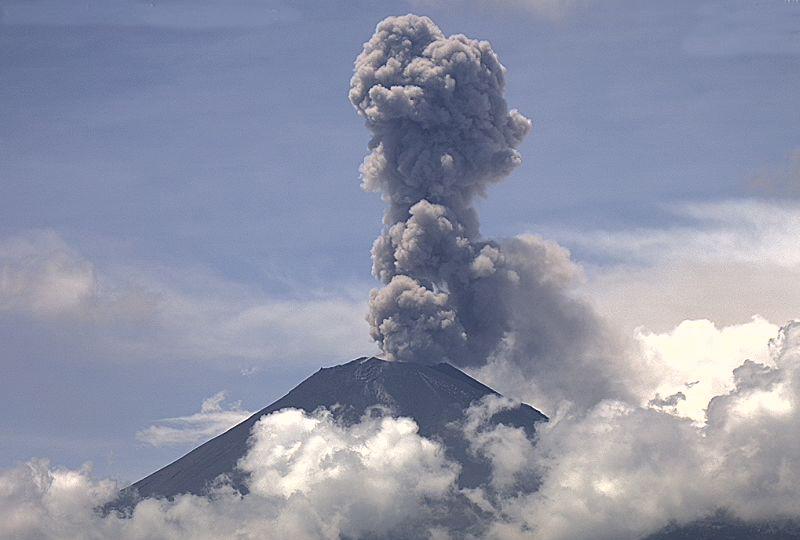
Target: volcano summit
x=436, y=397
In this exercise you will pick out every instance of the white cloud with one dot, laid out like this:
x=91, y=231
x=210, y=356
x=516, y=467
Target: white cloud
x=623, y=471
x=620, y=471
x=386, y=469
x=130, y=314
x=311, y=479
x=727, y=262
x=41, y=275
x=215, y=417
x=744, y=231
x=697, y=359
x=507, y=448
x=38, y=501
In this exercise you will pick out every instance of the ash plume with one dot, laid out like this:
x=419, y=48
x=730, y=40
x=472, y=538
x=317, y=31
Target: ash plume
x=442, y=133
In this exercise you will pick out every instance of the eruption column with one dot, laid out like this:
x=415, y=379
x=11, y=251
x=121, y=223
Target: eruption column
x=441, y=134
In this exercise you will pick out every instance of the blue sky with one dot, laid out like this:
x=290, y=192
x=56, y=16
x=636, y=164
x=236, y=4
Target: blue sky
x=181, y=210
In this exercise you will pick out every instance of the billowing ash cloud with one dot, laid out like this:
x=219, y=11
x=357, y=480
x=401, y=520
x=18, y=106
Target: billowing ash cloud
x=441, y=134
x=441, y=127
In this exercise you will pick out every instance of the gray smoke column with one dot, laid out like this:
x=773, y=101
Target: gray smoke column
x=441, y=134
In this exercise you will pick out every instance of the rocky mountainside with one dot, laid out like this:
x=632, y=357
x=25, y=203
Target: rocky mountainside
x=433, y=395
x=436, y=397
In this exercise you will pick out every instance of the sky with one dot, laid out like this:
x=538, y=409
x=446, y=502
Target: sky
x=184, y=236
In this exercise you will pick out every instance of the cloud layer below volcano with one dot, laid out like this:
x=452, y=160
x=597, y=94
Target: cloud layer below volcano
x=620, y=471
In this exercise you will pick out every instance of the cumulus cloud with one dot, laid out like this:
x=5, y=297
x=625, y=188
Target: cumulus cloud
x=695, y=361
x=215, y=417
x=442, y=134
x=310, y=479
x=37, y=501
x=619, y=471
x=624, y=471
x=130, y=313
x=388, y=471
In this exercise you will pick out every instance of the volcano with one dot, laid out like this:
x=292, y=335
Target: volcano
x=435, y=396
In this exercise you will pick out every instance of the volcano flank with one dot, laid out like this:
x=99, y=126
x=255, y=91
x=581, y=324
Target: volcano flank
x=435, y=396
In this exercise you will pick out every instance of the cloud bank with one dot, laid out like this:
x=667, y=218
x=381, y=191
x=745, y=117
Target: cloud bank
x=625, y=471
x=620, y=471
x=309, y=479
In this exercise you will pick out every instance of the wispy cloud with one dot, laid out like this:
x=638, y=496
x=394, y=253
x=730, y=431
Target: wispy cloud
x=214, y=417
x=129, y=313
x=722, y=261
x=745, y=231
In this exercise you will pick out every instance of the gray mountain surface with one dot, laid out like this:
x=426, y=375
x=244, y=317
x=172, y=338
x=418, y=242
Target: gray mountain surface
x=435, y=396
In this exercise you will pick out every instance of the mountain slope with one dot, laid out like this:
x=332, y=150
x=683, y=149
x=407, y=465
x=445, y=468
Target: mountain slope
x=433, y=395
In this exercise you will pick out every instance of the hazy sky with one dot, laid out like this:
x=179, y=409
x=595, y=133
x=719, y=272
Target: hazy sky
x=181, y=211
